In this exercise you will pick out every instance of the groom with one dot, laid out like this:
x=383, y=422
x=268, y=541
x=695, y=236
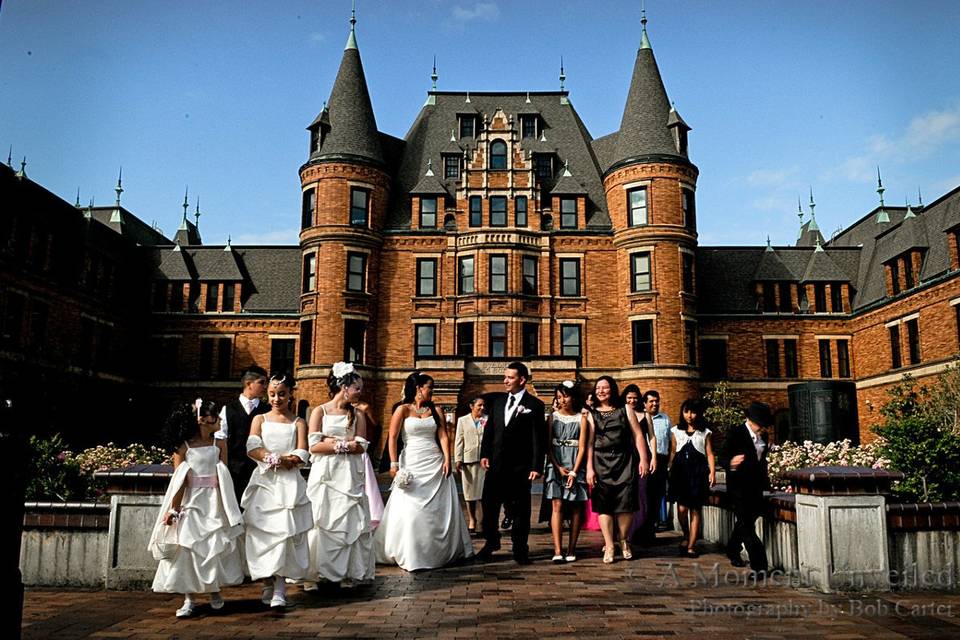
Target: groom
x=512, y=453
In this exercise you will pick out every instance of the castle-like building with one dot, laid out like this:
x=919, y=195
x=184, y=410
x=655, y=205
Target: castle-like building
x=498, y=228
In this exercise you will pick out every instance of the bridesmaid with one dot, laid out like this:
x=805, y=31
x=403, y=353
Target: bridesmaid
x=341, y=540
x=615, y=442
x=276, y=510
x=631, y=398
x=692, y=470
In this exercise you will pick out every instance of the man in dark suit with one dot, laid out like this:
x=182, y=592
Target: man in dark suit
x=745, y=449
x=512, y=453
x=235, y=419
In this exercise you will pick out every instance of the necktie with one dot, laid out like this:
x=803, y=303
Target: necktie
x=510, y=403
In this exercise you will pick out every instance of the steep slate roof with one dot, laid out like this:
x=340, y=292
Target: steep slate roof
x=429, y=184
x=352, y=131
x=771, y=267
x=567, y=184
x=174, y=264
x=429, y=137
x=822, y=268
x=214, y=263
x=273, y=277
x=644, y=127
x=128, y=225
x=187, y=233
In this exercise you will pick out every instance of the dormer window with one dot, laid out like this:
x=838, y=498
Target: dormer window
x=428, y=213
x=451, y=166
x=467, y=125
x=498, y=154
x=314, y=140
x=543, y=166
x=528, y=126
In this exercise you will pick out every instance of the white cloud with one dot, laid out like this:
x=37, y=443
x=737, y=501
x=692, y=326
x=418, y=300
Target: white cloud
x=924, y=135
x=480, y=11
x=770, y=177
x=277, y=236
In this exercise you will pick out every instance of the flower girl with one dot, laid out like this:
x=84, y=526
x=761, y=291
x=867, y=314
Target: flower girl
x=276, y=510
x=196, y=535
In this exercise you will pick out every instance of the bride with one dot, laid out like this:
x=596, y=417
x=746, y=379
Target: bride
x=422, y=525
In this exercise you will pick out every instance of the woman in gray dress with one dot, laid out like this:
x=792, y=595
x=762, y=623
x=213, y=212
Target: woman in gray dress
x=565, y=482
x=616, y=444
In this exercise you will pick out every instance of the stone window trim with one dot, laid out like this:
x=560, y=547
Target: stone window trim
x=634, y=320
x=579, y=326
x=714, y=336
x=913, y=316
x=461, y=259
x=692, y=190
x=351, y=209
x=451, y=166
x=635, y=281
x=416, y=324
x=421, y=261
x=309, y=272
x=362, y=274
x=629, y=188
x=577, y=278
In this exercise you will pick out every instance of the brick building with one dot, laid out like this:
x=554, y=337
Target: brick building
x=497, y=228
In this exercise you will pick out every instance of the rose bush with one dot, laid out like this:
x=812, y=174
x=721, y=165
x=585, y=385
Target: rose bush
x=791, y=455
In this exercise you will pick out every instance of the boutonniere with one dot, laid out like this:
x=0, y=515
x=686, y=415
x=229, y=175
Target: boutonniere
x=521, y=410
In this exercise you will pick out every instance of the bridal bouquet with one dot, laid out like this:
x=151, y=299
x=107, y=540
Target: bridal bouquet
x=403, y=479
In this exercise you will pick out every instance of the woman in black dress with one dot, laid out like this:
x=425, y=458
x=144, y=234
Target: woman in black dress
x=615, y=445
x=692, y=470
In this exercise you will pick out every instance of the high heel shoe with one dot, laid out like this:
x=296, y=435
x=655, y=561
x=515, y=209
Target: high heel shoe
x=608, y=555
x=625, y=550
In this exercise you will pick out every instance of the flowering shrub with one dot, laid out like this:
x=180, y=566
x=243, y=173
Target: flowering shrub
x=790, y=455
x=56, y=473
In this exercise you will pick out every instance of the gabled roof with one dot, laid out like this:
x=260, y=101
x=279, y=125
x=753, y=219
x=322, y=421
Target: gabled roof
x=128, y=225
x=175, y=264
x=187, y=233
x=567, y=184
x=772, y=268
x=429, y=137
x=213, y=263
x=822, y=268
x=429, y=184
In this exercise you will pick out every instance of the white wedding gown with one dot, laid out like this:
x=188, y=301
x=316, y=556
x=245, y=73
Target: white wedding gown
x=423, y=526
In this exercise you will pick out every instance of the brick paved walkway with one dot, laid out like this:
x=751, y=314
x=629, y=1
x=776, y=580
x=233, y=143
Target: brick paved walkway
x=655, y=595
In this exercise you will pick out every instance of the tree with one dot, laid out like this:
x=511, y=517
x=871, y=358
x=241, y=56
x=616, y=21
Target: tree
x=919, y=437
x=724, y=411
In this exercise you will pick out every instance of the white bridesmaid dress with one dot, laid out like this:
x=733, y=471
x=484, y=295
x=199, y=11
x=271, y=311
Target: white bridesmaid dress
x=276, y=511
x=341, y=539
x=422, y=526
x=209, y=527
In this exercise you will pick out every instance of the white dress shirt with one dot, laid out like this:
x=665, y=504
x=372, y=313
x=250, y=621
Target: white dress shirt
x=249, y=404
x=758, y=442
x=510, y=411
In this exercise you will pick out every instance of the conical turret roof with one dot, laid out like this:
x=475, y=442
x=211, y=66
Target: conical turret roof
x=644, y=127
x=353, y=133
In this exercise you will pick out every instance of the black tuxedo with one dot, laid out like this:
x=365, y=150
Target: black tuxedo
x=745, y=487
x=514, y=449
x=238, y=429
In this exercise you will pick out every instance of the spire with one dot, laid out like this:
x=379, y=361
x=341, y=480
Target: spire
x=23, y=168
x=434, y=76
x=819, y=247
x=882, y=215
x=197, y=214
x=644, y=38
x=769, y=246
x=813, y=216
x=527, y=101
x=353, y=131
x=352, y=38
x=429, y=168
x=563, y=76
x=919, y=198
x=186, y=205
x=228, y=247
x=77, y=203
x=10, y=157
x=119, y=187
x=645, y=124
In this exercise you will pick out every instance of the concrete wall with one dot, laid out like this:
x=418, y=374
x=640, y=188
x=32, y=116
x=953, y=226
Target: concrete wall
x=64, y=558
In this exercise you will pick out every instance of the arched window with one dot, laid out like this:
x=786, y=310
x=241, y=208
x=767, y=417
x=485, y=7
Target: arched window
x=498, y=154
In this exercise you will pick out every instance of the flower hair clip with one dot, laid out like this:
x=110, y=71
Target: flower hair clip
x=197, y=404
x=340, y=369
x=568, y=384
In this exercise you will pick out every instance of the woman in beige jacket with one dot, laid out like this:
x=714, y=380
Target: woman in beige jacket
x=467, y=457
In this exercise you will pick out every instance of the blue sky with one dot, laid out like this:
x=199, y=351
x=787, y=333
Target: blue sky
x=782, y=96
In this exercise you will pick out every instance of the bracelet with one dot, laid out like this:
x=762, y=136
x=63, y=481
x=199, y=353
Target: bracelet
x=341, y=446
x=394, y=464
x=174, y=513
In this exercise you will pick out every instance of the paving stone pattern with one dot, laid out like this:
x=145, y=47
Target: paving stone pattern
x=657, y=595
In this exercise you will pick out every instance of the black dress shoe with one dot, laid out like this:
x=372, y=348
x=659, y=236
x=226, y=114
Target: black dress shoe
x=486, y=552
x=737, y=562
x=522, y=558
x=507, y=523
